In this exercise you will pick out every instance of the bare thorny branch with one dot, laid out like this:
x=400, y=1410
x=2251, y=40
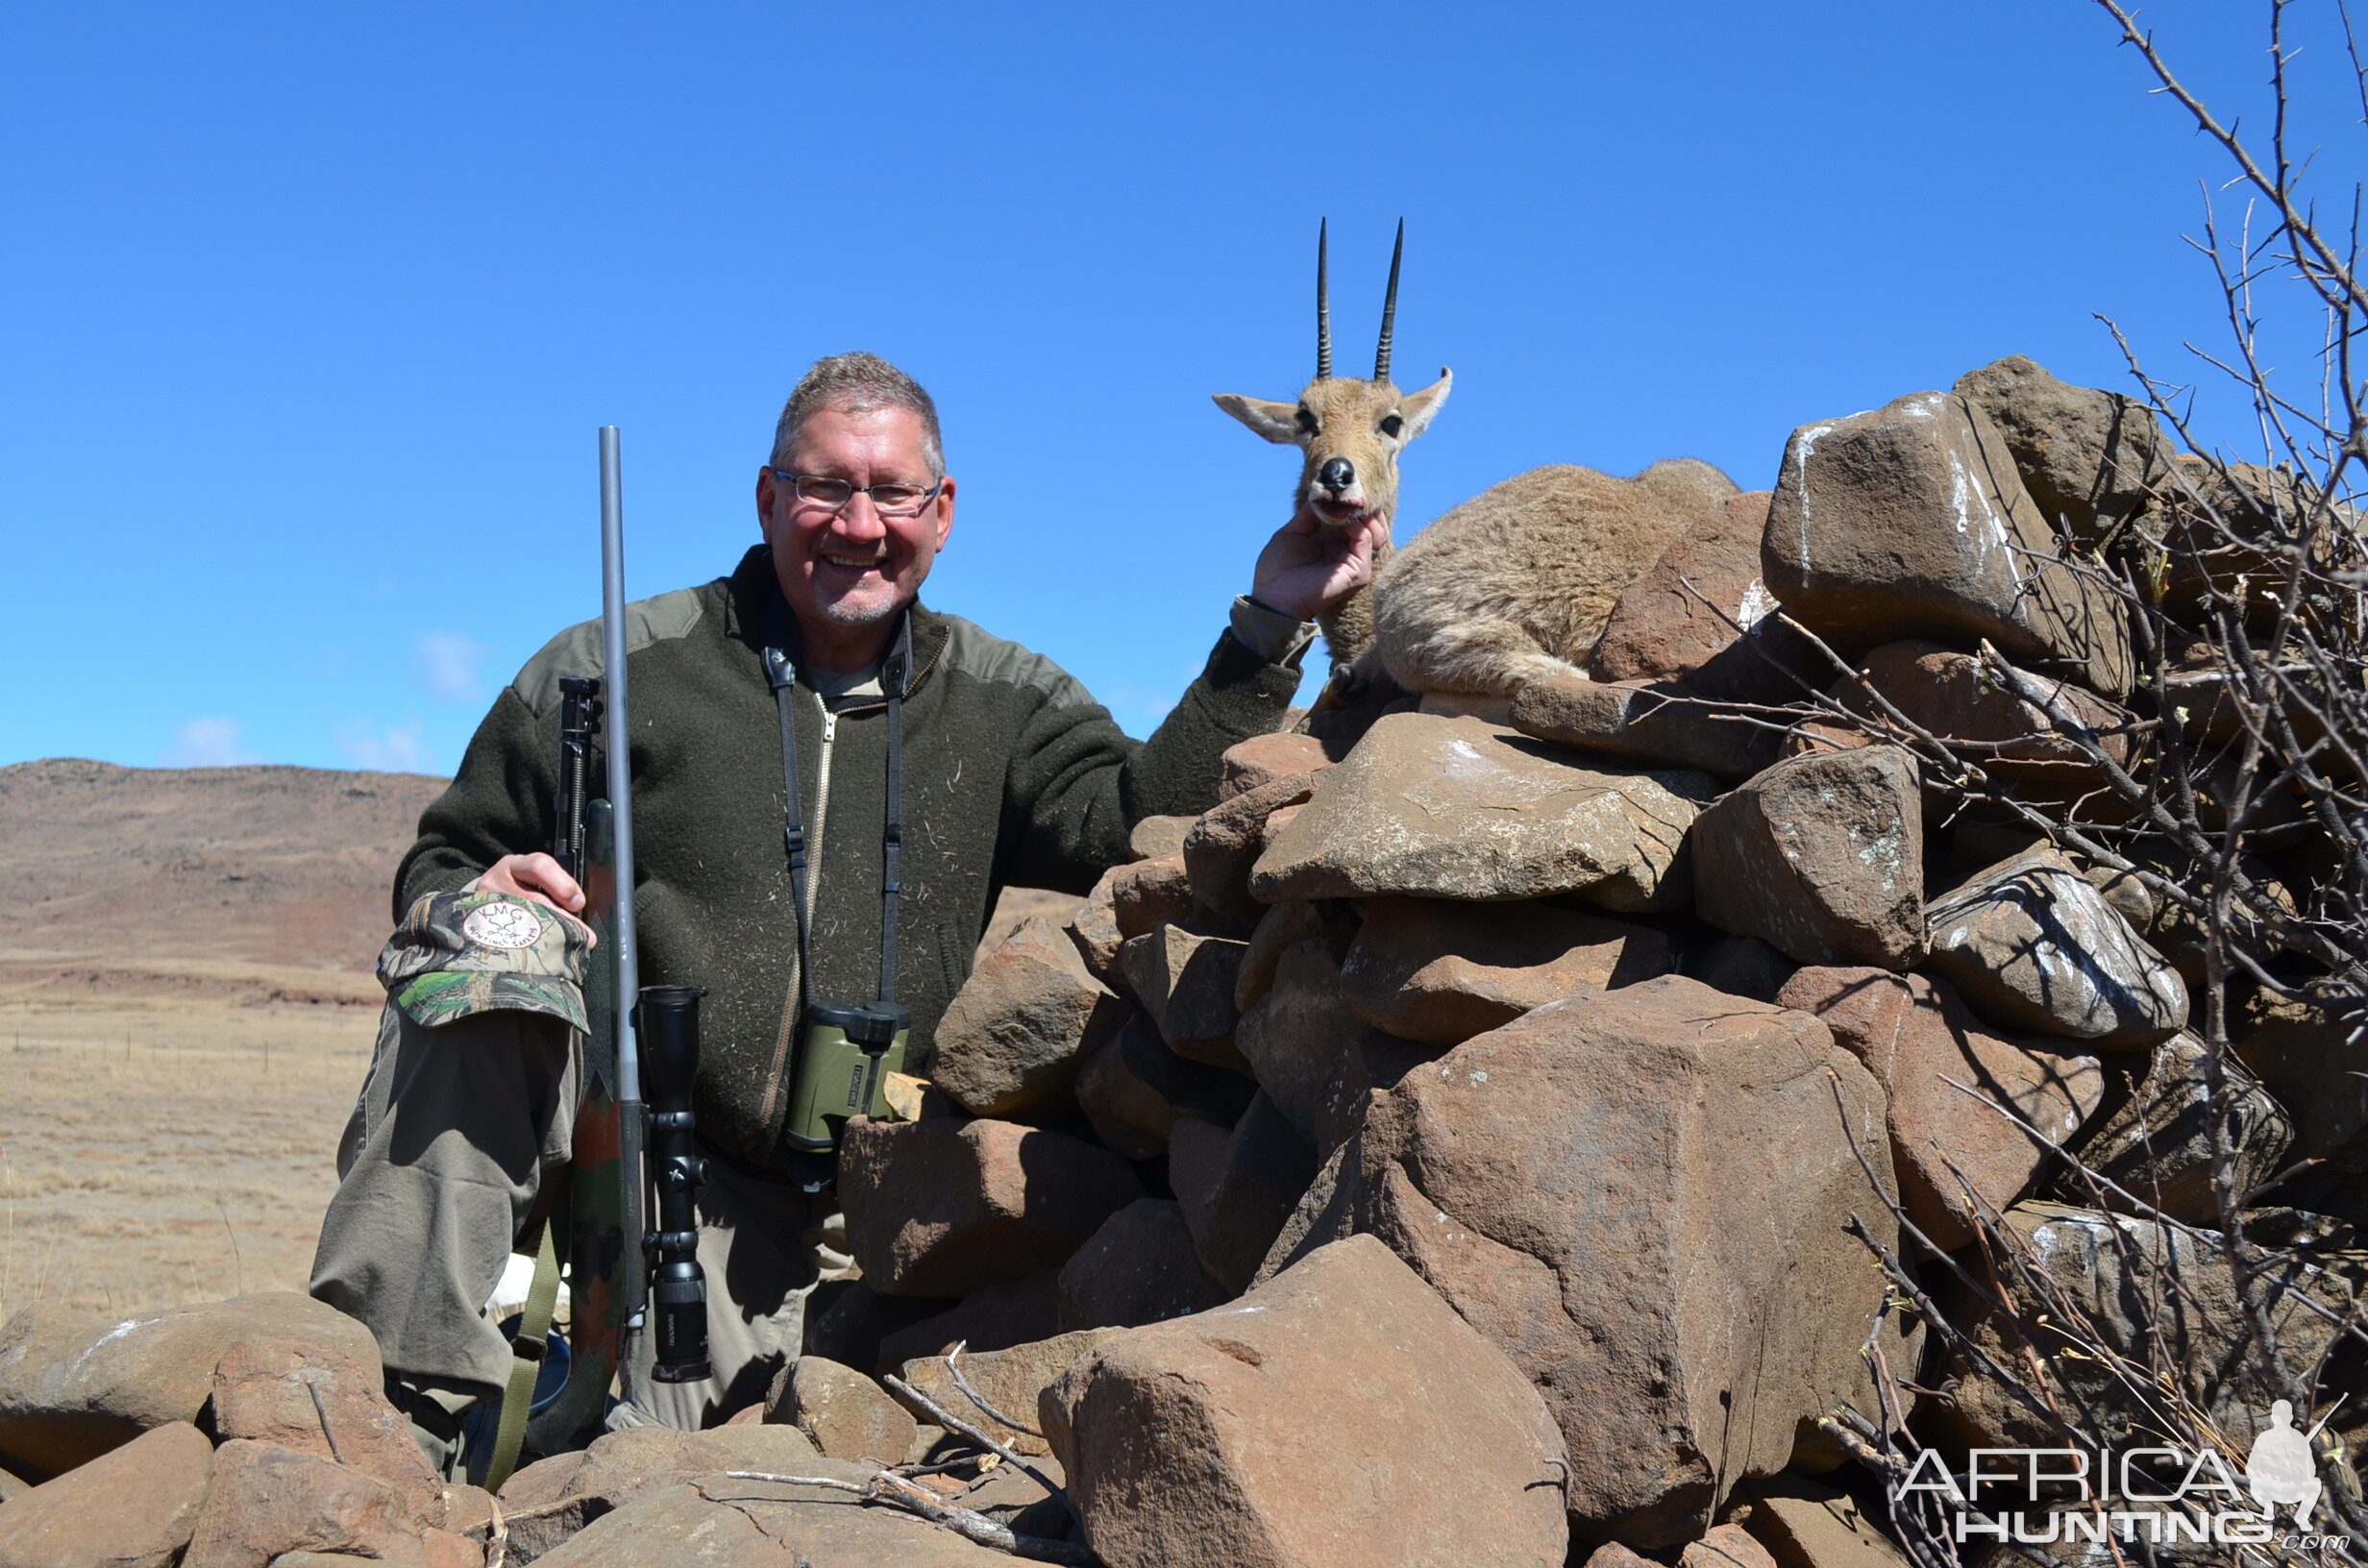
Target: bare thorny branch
x=897, y=1488
x=2233, y=795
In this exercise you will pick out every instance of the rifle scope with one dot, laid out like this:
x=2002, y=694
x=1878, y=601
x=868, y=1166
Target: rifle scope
x=668, y=1030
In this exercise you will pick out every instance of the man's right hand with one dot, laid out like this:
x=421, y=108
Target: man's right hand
x=536, y=877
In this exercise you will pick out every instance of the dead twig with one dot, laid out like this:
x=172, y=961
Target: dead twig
x=961, y=1380
x=887, y=1488
x=993, y=1445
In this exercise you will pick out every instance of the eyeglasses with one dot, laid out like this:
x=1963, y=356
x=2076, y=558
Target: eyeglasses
x=887, y=499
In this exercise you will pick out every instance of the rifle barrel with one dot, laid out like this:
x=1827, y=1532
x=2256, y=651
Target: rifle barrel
x=620, y=758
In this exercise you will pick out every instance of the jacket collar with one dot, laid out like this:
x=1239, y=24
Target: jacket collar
x=757, y=613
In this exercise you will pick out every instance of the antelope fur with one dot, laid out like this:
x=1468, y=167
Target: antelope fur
x=1518, y=581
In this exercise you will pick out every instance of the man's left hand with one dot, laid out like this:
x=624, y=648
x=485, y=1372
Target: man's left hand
x=1300, y=573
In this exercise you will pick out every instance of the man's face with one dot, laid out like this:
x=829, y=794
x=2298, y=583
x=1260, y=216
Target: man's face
x=849, y=569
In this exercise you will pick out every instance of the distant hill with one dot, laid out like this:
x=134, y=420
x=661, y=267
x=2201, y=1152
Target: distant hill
x=245, y=883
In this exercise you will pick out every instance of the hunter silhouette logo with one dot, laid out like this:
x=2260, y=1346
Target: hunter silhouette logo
x=2278, y=1468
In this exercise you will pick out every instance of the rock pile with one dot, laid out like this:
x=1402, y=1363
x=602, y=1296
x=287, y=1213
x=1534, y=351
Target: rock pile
x=231, y=1435
x=1626, y=1024
x=1459, y=1145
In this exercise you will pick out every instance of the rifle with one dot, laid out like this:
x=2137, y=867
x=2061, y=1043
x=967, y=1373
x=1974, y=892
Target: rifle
x=611, y=1171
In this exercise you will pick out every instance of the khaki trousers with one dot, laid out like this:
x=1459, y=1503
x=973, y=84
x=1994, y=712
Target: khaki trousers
x=455, y=1132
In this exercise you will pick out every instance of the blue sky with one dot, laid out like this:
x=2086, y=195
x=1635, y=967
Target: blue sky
x=308, y=313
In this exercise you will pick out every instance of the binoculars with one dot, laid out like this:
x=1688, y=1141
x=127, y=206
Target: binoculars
x=843, y=1063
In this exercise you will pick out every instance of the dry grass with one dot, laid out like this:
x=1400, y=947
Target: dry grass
x=159, y=1148
x=154, y=1153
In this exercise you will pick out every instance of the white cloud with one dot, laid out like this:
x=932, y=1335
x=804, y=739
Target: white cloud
x=387, y=749
x=205, y=743
x=446, y=664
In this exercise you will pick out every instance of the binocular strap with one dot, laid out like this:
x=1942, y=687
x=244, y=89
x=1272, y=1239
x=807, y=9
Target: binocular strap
x=781, y=670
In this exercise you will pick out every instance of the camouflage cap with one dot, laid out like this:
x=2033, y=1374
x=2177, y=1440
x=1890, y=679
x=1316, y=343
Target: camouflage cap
x=458, y=954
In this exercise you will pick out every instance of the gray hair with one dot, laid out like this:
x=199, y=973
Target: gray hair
x=854, y=383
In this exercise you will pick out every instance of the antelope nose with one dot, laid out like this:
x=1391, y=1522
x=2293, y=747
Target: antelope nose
x=1336, y=473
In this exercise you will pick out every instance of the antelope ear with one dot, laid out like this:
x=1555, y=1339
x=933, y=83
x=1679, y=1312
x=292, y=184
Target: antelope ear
x=1277, y=421
x=1418, y=408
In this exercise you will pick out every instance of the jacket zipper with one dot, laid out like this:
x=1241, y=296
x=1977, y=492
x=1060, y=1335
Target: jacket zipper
x=785, y=1036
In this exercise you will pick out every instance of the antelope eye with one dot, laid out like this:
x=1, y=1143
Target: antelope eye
x=1307, y=423
x=1390, y=424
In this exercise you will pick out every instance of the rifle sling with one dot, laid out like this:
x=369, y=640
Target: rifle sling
x=527, y=1353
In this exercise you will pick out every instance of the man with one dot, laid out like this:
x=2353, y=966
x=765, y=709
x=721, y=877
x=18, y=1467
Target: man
x=1012, y=774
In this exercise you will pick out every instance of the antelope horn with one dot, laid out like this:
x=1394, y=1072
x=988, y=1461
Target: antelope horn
x=1324, y=307
x=1389, y=307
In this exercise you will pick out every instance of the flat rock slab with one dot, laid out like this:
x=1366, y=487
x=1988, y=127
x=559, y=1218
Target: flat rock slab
x=1999, y=728
x=940, y=1208
x=134, y=1507
x=1226, y=842
x=318, y=1402
x=73, y=1386
x=624, y=1466
x=1262, y=759
x=843, y=1414
x=1134, y=1089
x=1440, y=972
x=1184, y=978
x=1821, y=857
x=551, y=1501
x=1658, y=722
x=266, y=1500
x=1238, y=1187
x=1648, y=1192
x=715, y=1521
x=1010, y=1313
x=2089, y=458
x=2032, y=945
x=1807, y=1524
x=1313, y=1056
x=1340, y=1414
x=1911, y=519
x=1011, y=1038
x=1919, y=1039
x=1454, y=808
x=1140, y=1267
x=1012, y=1381
x=1699, y=601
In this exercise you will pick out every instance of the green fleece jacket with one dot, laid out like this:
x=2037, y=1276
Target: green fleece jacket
x=1013, y=774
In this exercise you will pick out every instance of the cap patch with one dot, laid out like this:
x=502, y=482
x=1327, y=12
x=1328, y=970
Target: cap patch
x=507, y=926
